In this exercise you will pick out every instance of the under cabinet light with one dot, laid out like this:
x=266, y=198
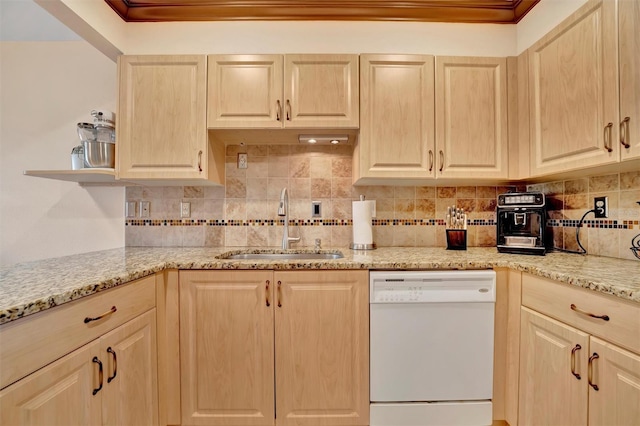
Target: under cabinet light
x=324, y=139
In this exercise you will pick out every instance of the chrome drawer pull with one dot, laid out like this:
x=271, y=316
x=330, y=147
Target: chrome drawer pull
x=580, y=311
x=99, y=317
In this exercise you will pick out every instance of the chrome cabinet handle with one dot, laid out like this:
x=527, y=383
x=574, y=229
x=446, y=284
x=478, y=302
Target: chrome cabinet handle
x=430, y=160
x=279, y=294
x=267, y=294
x=278, y=110
x=624, y=132
x=288, y=110
x=99, y=317
x=115, y=364
x=607, y=137
x=590, y=378
x=200, y=161
x=100, y=374
x=573, y=361
x=580, y=311
x=441, y=160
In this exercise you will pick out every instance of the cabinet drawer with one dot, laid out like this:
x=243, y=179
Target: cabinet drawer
x=37, y=340
x=554, y=299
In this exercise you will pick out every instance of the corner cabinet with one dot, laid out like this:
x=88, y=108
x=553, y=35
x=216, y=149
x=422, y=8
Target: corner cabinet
x=568, y=373
x=162, y=131
x=471, y=117
x=111, y=380
x=243, y=331
x=290, y=91
x=573, y=90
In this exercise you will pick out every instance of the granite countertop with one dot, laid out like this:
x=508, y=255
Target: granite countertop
x=30, y=287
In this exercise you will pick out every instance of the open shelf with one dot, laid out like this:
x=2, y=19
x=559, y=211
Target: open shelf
x=94, y=176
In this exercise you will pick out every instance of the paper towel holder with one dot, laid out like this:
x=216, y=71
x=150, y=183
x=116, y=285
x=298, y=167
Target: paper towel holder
x=362, y=246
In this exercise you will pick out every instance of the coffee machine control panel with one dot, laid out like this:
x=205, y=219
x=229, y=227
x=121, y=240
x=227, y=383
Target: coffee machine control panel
x=528, y=199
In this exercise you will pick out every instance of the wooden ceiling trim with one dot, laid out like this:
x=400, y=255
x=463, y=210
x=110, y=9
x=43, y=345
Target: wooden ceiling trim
x=469, y=11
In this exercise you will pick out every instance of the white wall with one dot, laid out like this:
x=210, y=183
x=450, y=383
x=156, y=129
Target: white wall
x=46, y=88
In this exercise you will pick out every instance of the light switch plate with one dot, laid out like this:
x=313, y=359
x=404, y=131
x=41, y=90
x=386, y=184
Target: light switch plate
x=316, y=209
x=130, y=209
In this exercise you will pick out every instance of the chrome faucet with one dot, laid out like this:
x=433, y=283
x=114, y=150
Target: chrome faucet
x=283, y=210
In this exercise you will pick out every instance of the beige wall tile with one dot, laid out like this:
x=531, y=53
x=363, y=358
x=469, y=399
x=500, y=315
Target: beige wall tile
x=468, y=204
x=320, y=167
x=299, y=167
x=258, y=236
x=341, y=236
x=446, y=191
x=236, y=187
x=404, y=209
x=214, y=192
x=320, y=188
x=300, y=188
x=257, y=150
x=193, y=236
x=554, y=188
x=466, y=192
x=341, y=209
x=257, y=167
x=259, y=209
x=404, y=236
x=174, y=192
x=214, y=236
x=441, y=206
x=425, y=236
x=256, y=188
x=628, y=207
x=341, y=188
x=425, y=192
x=193, y=192
x=172, y=236
x=231, y=167
x=630, y=180
x=197, y=208
x=214, y=209
x=570, y=242
x=235, y=236
x=486, y=192
x=278, y=166
x=383, y=236
x=274, y=187
x=577, y=186
x=485, y=236
x=404, y=192
x=384, y=208
x=604, y=183
x=235, y=209
x=486, y=205
x=425, y=209
x=341, y=167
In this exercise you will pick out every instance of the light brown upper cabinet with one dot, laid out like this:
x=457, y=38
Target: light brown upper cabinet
x=471, y=117
x=162, y=132
x=629, y=69
x=397, y=128
x=573, y=90
x=425, y=118
x=290, y=91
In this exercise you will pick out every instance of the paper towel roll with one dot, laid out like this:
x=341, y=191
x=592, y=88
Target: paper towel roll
x=363, y=211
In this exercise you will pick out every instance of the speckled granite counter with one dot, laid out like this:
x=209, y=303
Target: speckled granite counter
x=31, y=287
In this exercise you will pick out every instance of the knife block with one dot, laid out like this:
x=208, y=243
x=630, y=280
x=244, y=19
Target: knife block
x=456, y=239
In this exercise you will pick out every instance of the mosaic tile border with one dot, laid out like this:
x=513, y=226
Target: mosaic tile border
x=601, y=224
x=296, y=222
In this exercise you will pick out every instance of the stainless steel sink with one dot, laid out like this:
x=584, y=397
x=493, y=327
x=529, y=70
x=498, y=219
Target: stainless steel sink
x=282, y=256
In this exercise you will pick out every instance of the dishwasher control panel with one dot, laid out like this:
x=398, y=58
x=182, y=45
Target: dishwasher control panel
x=432, y=286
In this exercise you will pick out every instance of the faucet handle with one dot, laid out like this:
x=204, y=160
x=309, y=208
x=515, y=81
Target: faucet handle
x=318, y=242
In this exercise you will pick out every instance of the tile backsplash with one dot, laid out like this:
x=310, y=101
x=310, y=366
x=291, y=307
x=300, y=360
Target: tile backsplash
x=569, y=200
x=244, y=212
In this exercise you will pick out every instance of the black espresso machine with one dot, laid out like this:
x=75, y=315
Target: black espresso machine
x=522, y=223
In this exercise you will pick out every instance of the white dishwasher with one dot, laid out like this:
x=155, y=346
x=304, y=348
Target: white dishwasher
x=431, y=347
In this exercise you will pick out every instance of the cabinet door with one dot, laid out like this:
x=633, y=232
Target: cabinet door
x=245, y=91
x=549, y=393
x=226, y=347
x=397, y=126
x=574, y=92
x=471, y=117
x=617, y=374
x=131, y=370
x=322, y=348
x=58, y=394
x=321, y=91
x=162, y=131
x=629, y=39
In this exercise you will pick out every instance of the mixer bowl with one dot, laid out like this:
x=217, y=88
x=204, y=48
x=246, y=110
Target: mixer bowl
x=99, y=154
x=86, y=132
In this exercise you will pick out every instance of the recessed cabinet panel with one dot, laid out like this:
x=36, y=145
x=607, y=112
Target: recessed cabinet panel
x=629, y=40
x=321, y=91
x=549, y=393
x=245, y=91
x=573, y=93
x=226, y=348
x=161, y=132
x=59, y=394
x=471, y=117
x=397, y=126
x=616, y=372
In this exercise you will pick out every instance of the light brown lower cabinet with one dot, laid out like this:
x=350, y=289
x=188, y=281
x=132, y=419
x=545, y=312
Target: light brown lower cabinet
x=569, y=375
x=274, y=348
x=110, y=381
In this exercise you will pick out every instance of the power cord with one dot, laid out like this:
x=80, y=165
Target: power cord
x=584, y=251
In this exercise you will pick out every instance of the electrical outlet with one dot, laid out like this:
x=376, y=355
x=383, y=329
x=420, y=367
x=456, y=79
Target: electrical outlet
x=243, y=160
x=130, y=209
x=185, y=209
x=145, y=207
x=601, y=207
